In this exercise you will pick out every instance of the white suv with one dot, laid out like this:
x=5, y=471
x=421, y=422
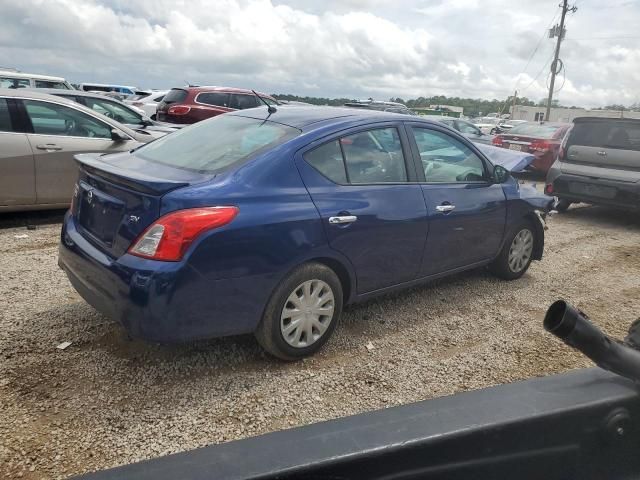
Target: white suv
x=17, y=79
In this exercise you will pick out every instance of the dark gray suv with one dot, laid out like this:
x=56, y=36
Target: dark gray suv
x=598, y=163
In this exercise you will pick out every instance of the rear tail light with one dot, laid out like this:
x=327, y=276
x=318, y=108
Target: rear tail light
x=542, y=146
x=179, y=110
x=548, y=189
x=74, y=199
x=497, y=141
x=171, y=235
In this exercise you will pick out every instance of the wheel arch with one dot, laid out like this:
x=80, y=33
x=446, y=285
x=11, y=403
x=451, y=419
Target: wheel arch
x=538, y=246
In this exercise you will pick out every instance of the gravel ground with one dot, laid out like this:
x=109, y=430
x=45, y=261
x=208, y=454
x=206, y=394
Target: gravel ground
x=106, y=400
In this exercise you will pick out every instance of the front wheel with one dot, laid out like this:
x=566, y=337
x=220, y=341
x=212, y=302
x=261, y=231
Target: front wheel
x=302, y=313
x=516, y=255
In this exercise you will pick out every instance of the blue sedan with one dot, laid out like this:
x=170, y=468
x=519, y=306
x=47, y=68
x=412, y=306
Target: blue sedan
x=271, y=221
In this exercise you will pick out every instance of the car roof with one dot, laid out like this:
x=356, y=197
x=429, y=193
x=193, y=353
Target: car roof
x=204, y=88
x=76, y=93
x=15, y=74
x=597, y=118
x=302, y=117
x=35, y=94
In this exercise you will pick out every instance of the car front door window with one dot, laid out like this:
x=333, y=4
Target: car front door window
x=53, y=119
x=446, y=160
x=113, y=110
x=468, y=128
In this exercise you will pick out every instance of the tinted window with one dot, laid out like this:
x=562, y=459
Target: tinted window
x=241, y=102
x=212, y=98
x=158, y=99
x=446, y=160
x=327, y=159
x=14, y=82
x=212, y=146
x=53, y=119
x=49, y=84
x=5, y=118
x=606, y=134
x=112, y=110
x=535, y=130
x=374, y=156
x=175, y=95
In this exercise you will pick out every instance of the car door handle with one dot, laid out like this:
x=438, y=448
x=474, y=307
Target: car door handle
x=445, y=208
x=602, y=153
x=49, y=147
x=342, y=219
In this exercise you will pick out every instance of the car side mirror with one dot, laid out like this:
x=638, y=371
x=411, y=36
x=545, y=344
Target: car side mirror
x=118, y=136
x=500, y=174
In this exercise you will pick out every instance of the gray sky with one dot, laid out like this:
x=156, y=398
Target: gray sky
x=351, y=48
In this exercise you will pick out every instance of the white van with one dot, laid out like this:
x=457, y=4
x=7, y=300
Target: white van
x=17, y=79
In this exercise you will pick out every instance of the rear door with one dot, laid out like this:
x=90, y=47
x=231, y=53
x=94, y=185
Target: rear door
x=466, y=210
x=372, y=209
x=57, y=133
x=17, y=169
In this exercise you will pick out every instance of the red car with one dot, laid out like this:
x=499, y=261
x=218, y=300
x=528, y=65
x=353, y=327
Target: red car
x=192, y=104
x=542, y=139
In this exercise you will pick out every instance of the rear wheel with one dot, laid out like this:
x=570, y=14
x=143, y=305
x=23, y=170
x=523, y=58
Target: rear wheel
x=562, y=205
x=517, y=252
x=302, y=313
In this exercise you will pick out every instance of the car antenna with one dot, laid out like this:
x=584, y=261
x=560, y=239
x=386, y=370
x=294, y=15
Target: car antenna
x=270, y=108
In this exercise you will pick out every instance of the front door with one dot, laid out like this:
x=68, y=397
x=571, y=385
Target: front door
x=58, y=133
x=372, y=211
x=466, y=209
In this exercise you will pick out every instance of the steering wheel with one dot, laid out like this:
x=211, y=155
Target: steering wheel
x=108, y=114
x=69, y=126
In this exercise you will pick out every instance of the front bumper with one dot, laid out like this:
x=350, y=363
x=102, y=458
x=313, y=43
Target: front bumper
x=160, y=301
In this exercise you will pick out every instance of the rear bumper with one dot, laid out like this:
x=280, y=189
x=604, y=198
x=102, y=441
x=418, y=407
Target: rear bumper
x=160, y=301
x=626, y=194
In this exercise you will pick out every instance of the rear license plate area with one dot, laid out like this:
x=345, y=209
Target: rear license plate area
x=99, y=214
x=517, y=148
x=592, y=190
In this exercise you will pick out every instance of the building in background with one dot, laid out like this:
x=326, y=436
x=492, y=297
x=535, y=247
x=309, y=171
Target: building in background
x=536, y=114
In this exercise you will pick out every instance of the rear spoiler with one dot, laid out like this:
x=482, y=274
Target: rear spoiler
x=133, y=172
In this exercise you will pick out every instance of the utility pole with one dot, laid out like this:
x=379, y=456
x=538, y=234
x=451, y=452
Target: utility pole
x=558, y=32
x=513, y=105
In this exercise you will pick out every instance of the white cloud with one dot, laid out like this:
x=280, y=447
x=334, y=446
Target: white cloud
x=355, y=48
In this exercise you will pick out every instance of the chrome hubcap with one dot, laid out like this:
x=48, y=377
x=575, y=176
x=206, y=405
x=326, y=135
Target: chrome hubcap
x=307, y=313
x=520, y=251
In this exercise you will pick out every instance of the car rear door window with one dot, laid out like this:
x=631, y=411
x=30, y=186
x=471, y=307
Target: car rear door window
x=241, y=102
x=5, y=117
x=213, y=98
x=8, y=82
x=328, y=160
x=50, y=84
x=446, y=160
x=53, y=119
x=374, y=156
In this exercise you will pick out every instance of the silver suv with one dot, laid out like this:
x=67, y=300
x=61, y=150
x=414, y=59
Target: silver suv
x=598, y=163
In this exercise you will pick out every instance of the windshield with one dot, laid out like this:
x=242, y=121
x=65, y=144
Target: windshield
x=535, y=130
x=213, y=145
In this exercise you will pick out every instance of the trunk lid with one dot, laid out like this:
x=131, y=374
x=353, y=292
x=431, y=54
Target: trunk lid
x=115, y=199
x=603, y=148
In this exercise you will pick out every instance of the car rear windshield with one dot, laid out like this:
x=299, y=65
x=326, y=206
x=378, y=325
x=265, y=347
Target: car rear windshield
x=215, y=144
x=535, y=130
x=175, y=95
x=606, y=134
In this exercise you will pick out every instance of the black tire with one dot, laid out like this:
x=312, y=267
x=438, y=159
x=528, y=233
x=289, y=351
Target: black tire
x=562, y=205
x=269, y=332
x=500, y=266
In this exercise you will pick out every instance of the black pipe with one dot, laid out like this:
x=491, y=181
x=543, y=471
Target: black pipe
x=573, y=327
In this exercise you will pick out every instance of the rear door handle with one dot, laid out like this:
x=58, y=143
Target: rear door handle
x=342, y=219
x=49, y=147
x=602, y=153
x=445, y=208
